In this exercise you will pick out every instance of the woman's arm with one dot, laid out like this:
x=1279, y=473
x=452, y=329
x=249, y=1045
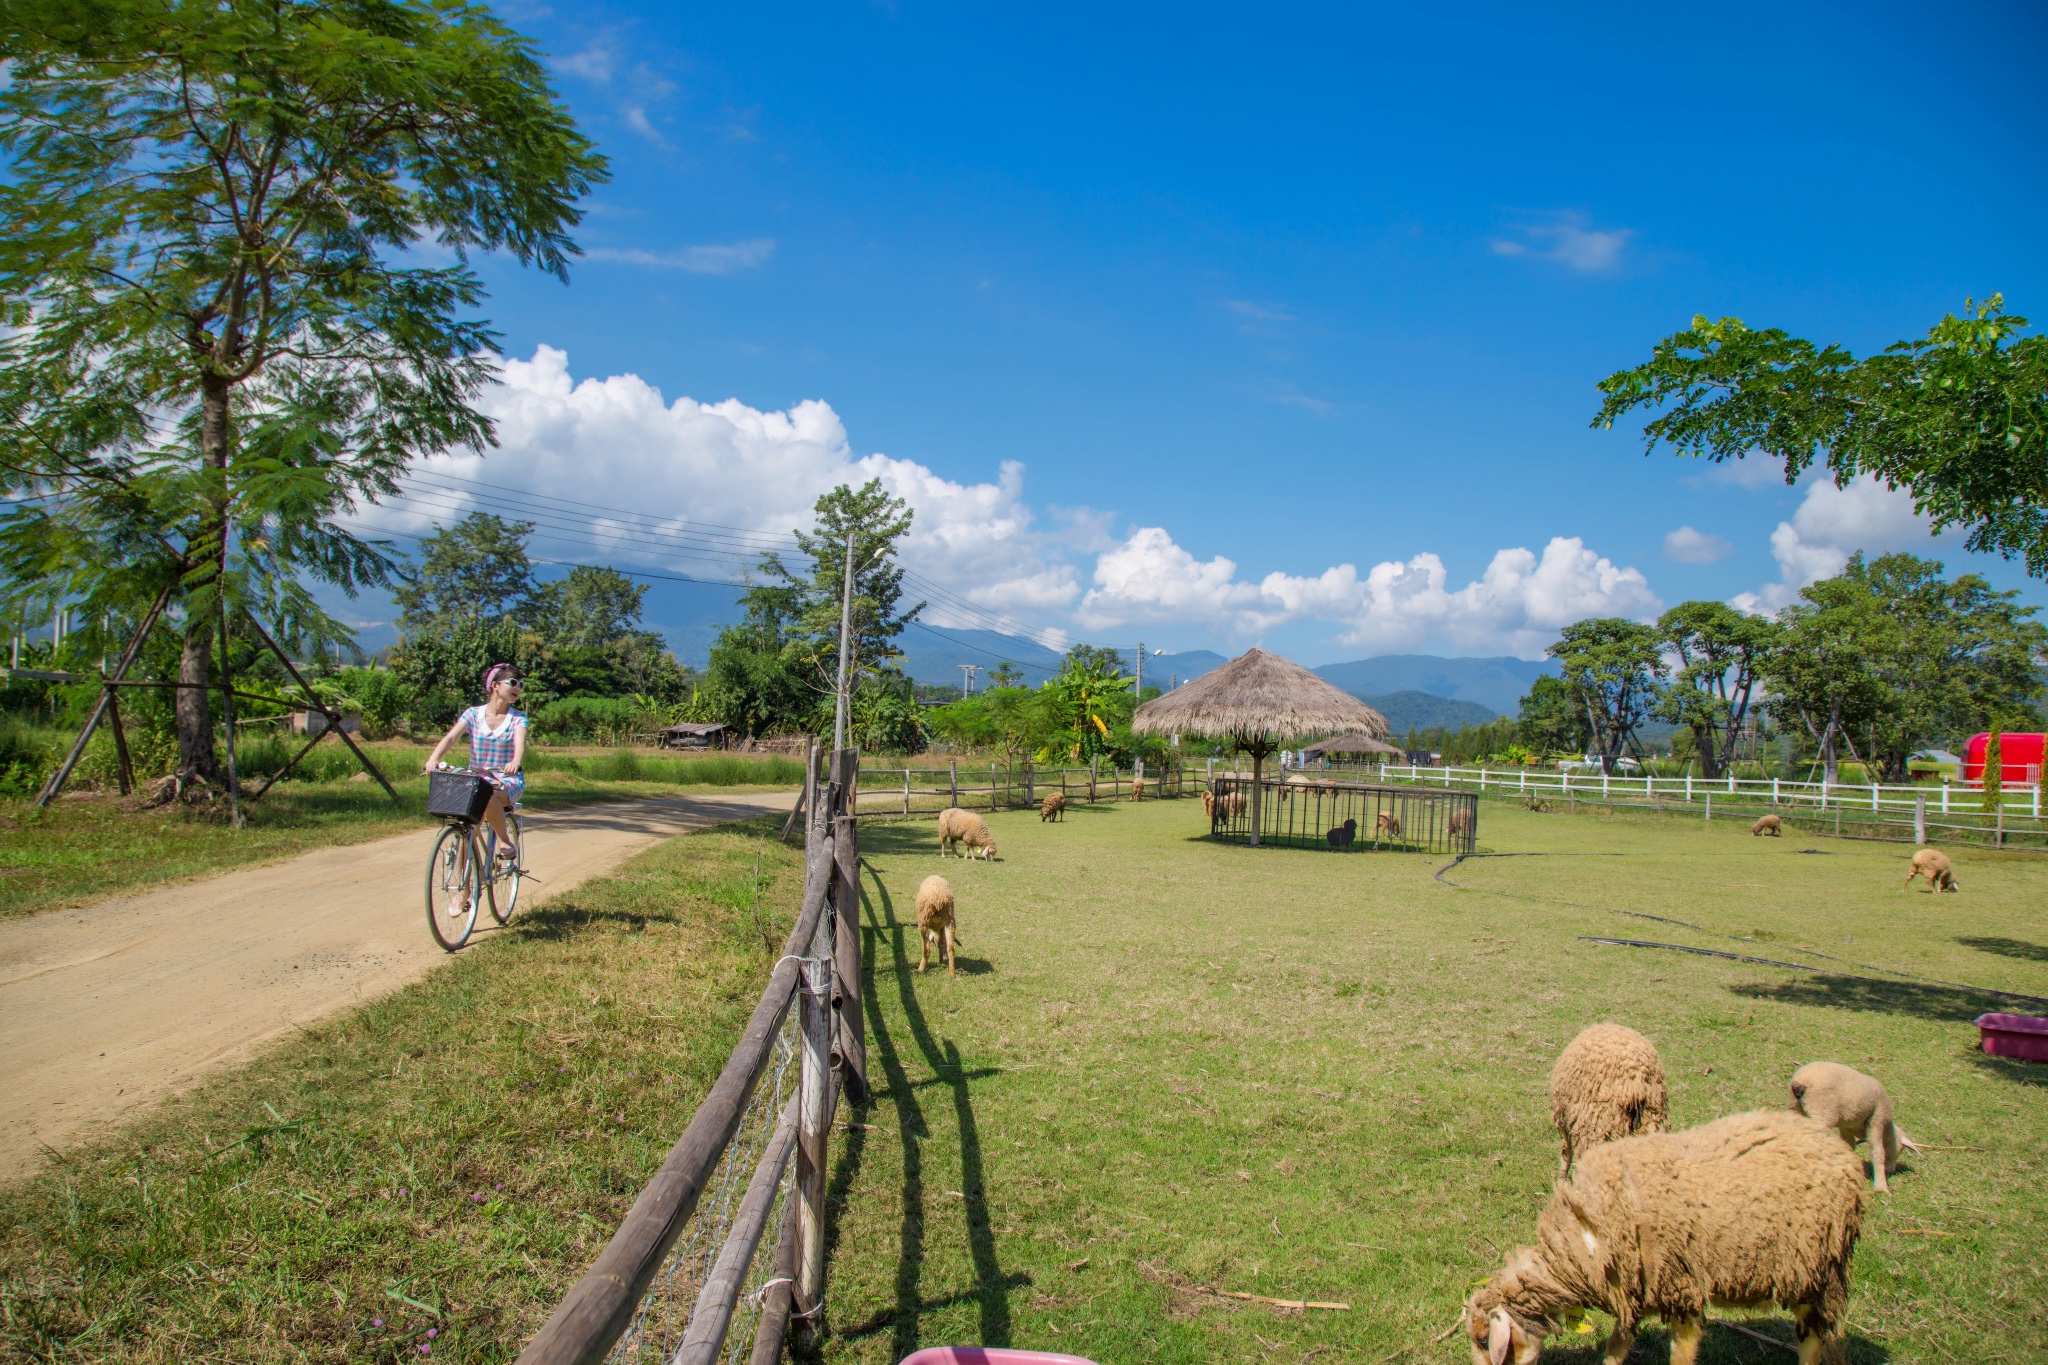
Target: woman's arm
x=518, y=748
x=455, y=731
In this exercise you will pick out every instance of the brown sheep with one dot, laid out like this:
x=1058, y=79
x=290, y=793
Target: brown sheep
x=936, y=925
x=1388, y=824
x=1857, y=1107
x=1054, y=807
x=1223, y=805
x=966, y=828
x=1461, y=823
x=1137, y=789
x=1752, y=1209
x=1768, y=824
x=1606, y=1084
x=1933, y=865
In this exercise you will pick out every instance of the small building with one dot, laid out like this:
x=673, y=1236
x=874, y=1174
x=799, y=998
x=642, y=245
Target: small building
x=694, y=735
x=315, y=723
x=2019, y=757
x=1352, y=749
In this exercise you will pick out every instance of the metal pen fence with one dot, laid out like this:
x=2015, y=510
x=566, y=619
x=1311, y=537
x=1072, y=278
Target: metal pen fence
x=1346, y=817
x=1915, y=814
x=682, y=1279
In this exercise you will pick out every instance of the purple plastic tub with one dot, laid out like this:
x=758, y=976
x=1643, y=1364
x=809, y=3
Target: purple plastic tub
x=989, y=1355
x=2015, y=1035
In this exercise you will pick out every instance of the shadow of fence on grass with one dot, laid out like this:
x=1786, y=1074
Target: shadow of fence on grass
x=2008, y=947
x=1947, y=1004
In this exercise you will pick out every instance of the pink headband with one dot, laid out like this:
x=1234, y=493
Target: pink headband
x=495, y=673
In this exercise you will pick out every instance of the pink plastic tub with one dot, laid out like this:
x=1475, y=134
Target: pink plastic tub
x=989, y=1355
x=2015, y=1035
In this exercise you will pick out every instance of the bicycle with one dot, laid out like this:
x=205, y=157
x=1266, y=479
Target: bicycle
x=463, y=870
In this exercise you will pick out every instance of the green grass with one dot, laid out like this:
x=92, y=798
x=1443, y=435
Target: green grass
x=89, y=844
x=1166, y=1066
x=276, y=1213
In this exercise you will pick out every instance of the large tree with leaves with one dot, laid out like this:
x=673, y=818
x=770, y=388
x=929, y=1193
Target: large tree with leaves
x=1720, y=652
x=1959, y=418
x=218, y=220
x=1615, y=666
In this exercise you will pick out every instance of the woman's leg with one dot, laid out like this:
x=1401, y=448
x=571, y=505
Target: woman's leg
x=495, y=815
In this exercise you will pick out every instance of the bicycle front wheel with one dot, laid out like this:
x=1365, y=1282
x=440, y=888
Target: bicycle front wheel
x=455, y=883
x=505, y=876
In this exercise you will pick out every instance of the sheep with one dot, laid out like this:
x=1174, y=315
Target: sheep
x=1751, y=1209
x=1054, y=807
x=1341, y=837
x=1606, y=1084
x=1768, y=824
x=1856, y=1106
x=1224, y=805
x=966, y=828
x=936, y=925
x=1387, y=823
x=1934, y=865
x=1461, y=823
x=1137, y=789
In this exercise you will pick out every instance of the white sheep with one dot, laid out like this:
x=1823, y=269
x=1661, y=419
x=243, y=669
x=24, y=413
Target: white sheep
x=1054, y=807
x=964, y=827
x=1768, y=824
x=937, y=926
x=1752, y=1209
x=1934, y=865
x=1606, y=1084
x=1857, y=1107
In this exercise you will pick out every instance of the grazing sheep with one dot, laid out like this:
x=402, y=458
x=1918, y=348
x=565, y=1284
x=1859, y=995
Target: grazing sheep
x=1341, y=837
x=1137, y=789
x=1461, y=823
x=1387, y=824
x=1752, y=1209
x=1224, y=805
x=1857, y=1107
x=935, y=921
x=968, y=829
x=1054, y=807
x=1768, y=824
x=1606, y=1084
x=1933, y=865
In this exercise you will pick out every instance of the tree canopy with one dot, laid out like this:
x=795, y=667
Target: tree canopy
x=1720, y=652
x=1614, y=665
x=476, y=569
x=1959, y=418
x=222, y=330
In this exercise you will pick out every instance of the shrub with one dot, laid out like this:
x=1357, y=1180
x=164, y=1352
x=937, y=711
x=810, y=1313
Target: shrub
x=587, y=720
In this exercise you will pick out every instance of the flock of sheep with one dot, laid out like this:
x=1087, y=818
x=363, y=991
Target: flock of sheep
x=1756, y=1208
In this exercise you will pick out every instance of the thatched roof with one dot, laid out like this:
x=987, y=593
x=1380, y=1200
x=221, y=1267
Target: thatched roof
x=1258, y=698
x=1352, y=744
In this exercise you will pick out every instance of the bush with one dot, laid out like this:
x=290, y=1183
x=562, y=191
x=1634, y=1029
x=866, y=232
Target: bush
x=590, y=720
x=634, y=765
x=25, y=760
x=378, y=694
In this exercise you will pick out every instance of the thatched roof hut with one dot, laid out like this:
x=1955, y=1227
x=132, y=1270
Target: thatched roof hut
x=1258, y=700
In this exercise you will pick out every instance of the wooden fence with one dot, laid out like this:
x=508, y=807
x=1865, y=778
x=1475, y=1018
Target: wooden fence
x=682, y=1266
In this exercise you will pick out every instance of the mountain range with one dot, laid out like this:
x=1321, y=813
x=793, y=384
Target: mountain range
x=1499, y=684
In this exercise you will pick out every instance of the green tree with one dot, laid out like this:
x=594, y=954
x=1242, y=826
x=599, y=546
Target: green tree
x=220, y=332
x=1005, y=674
x=1718, y=649
x=1994, y=770
x=1552, y=718
x=589, y=607
x=809, y=600
x=1959, y=418
x=1824, y=673
x=442, y=671
x=1614, y=665
x=475, y=570
x=1084, y=704
x=751, y=683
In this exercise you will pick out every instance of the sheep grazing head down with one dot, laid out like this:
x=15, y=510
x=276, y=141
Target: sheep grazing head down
x=1497, y=1335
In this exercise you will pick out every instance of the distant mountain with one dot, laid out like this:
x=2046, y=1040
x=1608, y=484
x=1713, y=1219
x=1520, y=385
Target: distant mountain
x=1499, y=684
x=933, y=654
x=1411, y=710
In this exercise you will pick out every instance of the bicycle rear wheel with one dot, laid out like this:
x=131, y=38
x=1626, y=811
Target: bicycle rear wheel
x=455, y=883
x=505, y=876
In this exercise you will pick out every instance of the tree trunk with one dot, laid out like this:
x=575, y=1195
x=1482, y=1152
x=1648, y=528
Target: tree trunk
x=1705, y=749
x=194, y=710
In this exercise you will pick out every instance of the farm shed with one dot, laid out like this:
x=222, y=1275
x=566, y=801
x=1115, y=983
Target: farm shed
x=1351, y=749
x=693, y=736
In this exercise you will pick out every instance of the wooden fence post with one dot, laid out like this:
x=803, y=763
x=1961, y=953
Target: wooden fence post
x=814, y=1026
x=850, y=1054
x=1030, y=796
x=1920, y=818
x=1091, y=779
x=992, y=789
x=906, y=789
x=953, y=769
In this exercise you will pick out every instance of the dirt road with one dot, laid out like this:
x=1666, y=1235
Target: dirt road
x=110, y=1007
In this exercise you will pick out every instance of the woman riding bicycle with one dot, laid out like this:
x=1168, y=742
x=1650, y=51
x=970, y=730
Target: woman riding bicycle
x=497, y=748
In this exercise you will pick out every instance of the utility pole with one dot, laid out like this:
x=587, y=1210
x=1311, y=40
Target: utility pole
x=967, y=672
x=1139, y=690
x=845, y=644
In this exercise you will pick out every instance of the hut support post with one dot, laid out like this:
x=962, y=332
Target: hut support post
x=1258, y=761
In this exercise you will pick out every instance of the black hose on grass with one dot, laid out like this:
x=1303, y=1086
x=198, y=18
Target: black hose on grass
x=1703, y=952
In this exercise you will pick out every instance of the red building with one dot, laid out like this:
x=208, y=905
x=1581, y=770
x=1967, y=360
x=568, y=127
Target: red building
x=2019, y=759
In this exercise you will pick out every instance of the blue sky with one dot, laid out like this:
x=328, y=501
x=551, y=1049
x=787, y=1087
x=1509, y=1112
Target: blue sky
x=1163, y=317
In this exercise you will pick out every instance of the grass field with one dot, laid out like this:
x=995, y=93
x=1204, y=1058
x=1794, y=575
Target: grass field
x=91, y=844
x=1167, y=1067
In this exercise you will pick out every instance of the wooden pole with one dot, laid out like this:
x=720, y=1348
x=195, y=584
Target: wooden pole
x=333, y=720
x=704, y=1341
x=906, y=789
x=1258, y=763
x=850, y=1056
x=63, y=773
x=1030, y=796
x=227, y=700
x=814, y=1026
x=1092, y=758
x=1920, y=817
x=124, y=770
x=992, y=788
x=953, y=776
x=773, y=1328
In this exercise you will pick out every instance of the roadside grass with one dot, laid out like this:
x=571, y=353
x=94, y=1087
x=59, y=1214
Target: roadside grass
x=87, y=845
x=446, y=1159
x=1169, y=1066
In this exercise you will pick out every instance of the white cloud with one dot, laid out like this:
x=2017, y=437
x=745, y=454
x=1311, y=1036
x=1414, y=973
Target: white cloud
x=1832, y=524
x=1687, y=546
x=1516, y=607
x=593, y=64
x=710, y=259
x=1568, y=239
x=1258, y=312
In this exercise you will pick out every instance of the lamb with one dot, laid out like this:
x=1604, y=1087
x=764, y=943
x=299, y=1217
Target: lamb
x=1388, y=824
x=1768, y=824
x=1856, y=1106
x=1137, y=789
x=1054, y=807
x=1606, y=1084
x=1751, y=1209
x=1934, y=865
x=966, y=828
x=935, y=921
x=1341, y=837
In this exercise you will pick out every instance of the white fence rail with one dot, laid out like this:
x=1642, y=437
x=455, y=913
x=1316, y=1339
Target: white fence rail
x=1816, y=796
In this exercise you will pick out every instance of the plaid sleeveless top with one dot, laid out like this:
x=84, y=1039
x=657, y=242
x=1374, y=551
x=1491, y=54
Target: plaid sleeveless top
x=490, y=750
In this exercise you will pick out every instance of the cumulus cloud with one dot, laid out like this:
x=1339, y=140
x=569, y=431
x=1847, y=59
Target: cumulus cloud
x=710, y=259
x=1515, y=607
x=1570, y=240
x=1832, y=524
x=1687, y=546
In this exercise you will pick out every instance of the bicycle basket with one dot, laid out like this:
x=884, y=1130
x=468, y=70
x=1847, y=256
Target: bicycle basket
x=461, y=795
